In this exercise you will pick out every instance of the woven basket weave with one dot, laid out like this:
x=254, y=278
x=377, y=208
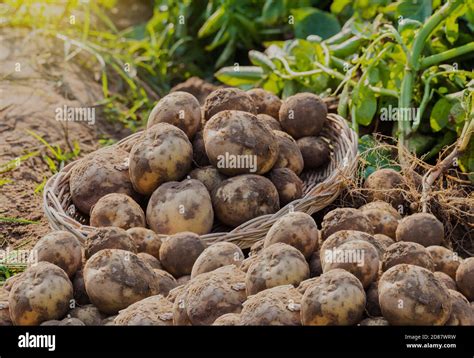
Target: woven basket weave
x=321, y=188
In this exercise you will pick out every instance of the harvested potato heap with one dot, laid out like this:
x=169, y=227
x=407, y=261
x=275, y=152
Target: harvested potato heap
x=236, y=158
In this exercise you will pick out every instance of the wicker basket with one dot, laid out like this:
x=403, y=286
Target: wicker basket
x=321, y=189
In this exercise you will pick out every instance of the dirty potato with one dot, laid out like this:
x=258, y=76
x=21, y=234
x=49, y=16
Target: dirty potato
x=448, y=281
x=336, y=298
x=180, y=206
x=288, y=185
x=150, y=260
x=384, y=240
x=228, y=319
x=269, y=121
x=180, y=109
x=44, y=293
x=146, y=240
x=217, y=255
x=199, y=151
x=315, y=151
x=289, y=155
x=108, y=238
x=62, y=249
x=151, y=311
x=165, y=281
x=179, y=252
x=99, y=174
x=386, y=185
x=118, y=210
x=224, y=99
x=209, y=176
x=164, y=154
x=383, y=217
x=297, y=229
x=461, y=314
x=345, y=219
x=302, y=115
x=212, y=294
x=244, y=197
x=79, y=288
x=445, y=260
x=422, y=228
x=407, y=253
x=237, y=143
x=412, y=295
x=265, y=102
x=88, y=314
x=115, y=279
x=277, y=306
x=465, y=278
x=278, y=264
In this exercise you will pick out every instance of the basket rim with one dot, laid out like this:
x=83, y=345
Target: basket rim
x=318, y=197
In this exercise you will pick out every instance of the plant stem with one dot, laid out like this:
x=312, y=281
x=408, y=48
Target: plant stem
x=446, y=55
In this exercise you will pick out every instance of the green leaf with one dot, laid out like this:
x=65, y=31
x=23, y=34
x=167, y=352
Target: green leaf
x=451, y=26
x=271, y=12
x=415, y=9
x=311, y=21
x=213, y=23
x=338, y=6
x=420, y=143
x=365, y=105
x=440, y=114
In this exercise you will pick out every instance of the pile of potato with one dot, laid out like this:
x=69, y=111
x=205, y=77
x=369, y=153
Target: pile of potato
x=373, y=265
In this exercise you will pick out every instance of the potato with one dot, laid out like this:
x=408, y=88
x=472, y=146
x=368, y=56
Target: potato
x=109, y=321
x=384, y=240
x=52, y=322
x=304, y=285
x=277, y=306
x=88, y=314
x=164, y=154
x=237, y=142
x=461, y=314
x=5, y=319
x=217, y=255
x=407, y=253
x=383, y=217
x=183, y=279
x=287, y=183
x=265, y=102
x=248, y=262
x=315, y=151
x=374, y=321
x=345, y=219
x=302, y=115
x=297, y=229
x=421, y=228
x=228, y=319
x=372, y=305
x=146, y=240
x=336, y=298
x=108, y=238
x=115, y=279
x=180, y=316
x=117, y=210
x=175, y=292
x=212, y=294
x=70, y=321
x=62, y=249
x=199, y=151
x=314, y=262
x=448, y=281
x=224, y=99
x=244, y=197
x=209, y=176
x=179, y=252
x=256, y=248
x=411, y=295
x=12, y=280
x=180, y=109
x=166, y=282
x=99, y=174
x=79, y=288
x=150, y=260
x=180, y=206
x=44, y=293
x=340, y=237
x=278, y=264
x=358, y=257
x=444, y=260
x=151, y=311
x=386, y=185
x=465, y=278
x=289, y=155
x=270, y=121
